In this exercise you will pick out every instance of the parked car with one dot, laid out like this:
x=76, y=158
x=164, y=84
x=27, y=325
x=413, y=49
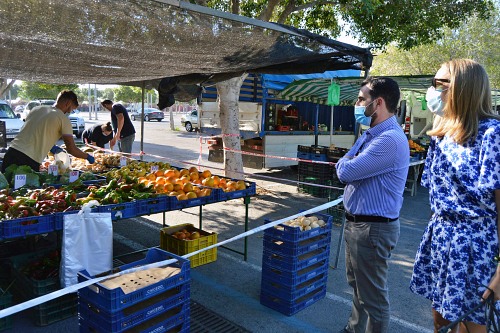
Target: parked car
x=149, y=114
x=190, y=121
x=13, y=122
x=34, y=103
x=77, y=123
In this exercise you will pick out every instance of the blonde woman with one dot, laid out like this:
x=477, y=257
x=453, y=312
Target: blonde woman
x=455, y=260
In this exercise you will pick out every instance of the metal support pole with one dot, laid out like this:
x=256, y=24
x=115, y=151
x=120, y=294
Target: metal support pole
x=201, y=217
x=142, y=117
x=90, y=103
x=96, y=103
x=246, y=200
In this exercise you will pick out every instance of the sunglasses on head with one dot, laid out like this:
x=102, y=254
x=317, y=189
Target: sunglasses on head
x=435, y=82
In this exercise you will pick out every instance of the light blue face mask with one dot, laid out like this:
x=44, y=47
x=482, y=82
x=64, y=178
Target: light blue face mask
x=434, y=101
x=359, y=114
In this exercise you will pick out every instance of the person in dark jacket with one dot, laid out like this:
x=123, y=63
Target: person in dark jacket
x=122, y=126
x=98, y=135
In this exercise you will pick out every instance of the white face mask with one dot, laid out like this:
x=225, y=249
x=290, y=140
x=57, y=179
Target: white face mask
x=434, y=101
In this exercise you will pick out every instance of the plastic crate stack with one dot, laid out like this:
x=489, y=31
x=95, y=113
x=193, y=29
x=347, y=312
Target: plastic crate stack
x=153, y=303
x=319, y=173
x=295, y=266
x=31, y=286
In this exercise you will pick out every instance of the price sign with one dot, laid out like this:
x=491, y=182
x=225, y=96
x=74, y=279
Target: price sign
x=154, y=168
x=19, y=181
x=123, y=161
x=53, y=170
x=73, y=175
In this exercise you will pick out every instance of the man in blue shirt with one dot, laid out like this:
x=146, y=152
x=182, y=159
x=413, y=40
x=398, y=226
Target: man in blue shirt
x=375, y=171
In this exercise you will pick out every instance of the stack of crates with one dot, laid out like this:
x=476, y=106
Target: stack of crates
x=319, y=173
x=37, y=274
x=151, y=303
x=295, y=266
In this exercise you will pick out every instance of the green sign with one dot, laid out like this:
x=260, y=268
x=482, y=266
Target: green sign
x=333, y=94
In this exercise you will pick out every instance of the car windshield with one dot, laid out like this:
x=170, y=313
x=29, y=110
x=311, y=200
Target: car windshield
x=6, y=112
x=48, y=102
x=148, y=110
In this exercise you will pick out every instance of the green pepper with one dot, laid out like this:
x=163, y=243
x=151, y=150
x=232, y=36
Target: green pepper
x=112, y=185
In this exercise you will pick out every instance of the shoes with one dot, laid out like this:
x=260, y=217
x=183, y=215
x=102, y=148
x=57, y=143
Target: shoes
x=345, y=330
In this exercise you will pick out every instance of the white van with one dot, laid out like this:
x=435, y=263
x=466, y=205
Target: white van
x=13, y=122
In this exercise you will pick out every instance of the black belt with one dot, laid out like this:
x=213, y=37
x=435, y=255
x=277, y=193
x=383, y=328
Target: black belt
x=368, y=218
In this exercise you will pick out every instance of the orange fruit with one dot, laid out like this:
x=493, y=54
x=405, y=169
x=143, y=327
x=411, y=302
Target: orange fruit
x=184, y=172
x=222, y=182
x=181, y=197
x=160, y=180
x=208, y=182
x=179, y=181
x=178, y=187
x=177, y=173
x=206, y=173
x=194, y=175
x=191, y=195
x=159, y=173
x=151, y=176
x=188, y=187
x=159, y=188
x=185, y=179
x=240, y=185
x=216, y=180
x=169, y=173
x=193, y=169
x=170, y=179
x=173, y=194
x=168, y=187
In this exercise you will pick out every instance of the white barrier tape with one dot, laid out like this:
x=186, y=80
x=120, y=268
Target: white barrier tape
x=74, y=288
x=278, y=157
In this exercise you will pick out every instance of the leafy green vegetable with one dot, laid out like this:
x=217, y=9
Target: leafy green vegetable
x=3, y=182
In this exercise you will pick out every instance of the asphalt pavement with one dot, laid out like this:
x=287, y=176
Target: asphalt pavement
x=230, y=286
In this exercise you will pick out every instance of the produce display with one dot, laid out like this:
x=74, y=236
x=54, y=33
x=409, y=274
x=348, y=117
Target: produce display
x=186, y=235
x=305, y=223
x=415, y=146
x=46, y=194
x=103, y=162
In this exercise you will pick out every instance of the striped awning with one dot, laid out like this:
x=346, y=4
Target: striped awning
x=316, y=90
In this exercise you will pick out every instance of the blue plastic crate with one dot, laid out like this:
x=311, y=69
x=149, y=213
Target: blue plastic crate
x=303, y=155
x=287, y=233
x=293, y=278
x=27, y=226
x=112, y=300
x=249, y=191
x=139, y=313
x=318, y=157
x=119, y=211
x=152, y=205
x=176, y=318
x=295, y=263
x=290, y=308
x=290, y=248
x=293, y=292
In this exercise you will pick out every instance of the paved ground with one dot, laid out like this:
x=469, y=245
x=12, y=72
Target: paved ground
x=230, y=286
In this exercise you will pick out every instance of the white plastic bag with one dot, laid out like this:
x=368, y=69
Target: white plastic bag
x=87, y=244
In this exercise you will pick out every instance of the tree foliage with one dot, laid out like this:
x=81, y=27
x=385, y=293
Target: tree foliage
x=407, y=23
x=34, y=90
x=476, y=39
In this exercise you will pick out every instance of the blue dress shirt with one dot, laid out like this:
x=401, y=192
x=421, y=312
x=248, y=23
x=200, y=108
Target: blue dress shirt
x=375, y=171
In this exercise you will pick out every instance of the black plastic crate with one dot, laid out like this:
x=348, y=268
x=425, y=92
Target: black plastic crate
x=324, y=171
x=317, y=191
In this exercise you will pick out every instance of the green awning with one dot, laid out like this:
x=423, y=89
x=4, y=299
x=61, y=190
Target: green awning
x=316, y=90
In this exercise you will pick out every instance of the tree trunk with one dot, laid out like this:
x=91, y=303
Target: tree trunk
x=171, y=117
x=229, y=92
x=5, y=85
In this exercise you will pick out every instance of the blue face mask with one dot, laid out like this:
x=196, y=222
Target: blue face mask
x=359, y=114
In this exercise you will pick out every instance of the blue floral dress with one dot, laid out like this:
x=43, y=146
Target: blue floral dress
x=454, y=262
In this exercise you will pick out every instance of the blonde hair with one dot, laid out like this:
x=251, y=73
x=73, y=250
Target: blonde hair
x=468, y=100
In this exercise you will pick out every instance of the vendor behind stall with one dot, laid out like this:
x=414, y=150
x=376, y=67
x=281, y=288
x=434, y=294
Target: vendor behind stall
x=98, y=135
x=44, y=126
